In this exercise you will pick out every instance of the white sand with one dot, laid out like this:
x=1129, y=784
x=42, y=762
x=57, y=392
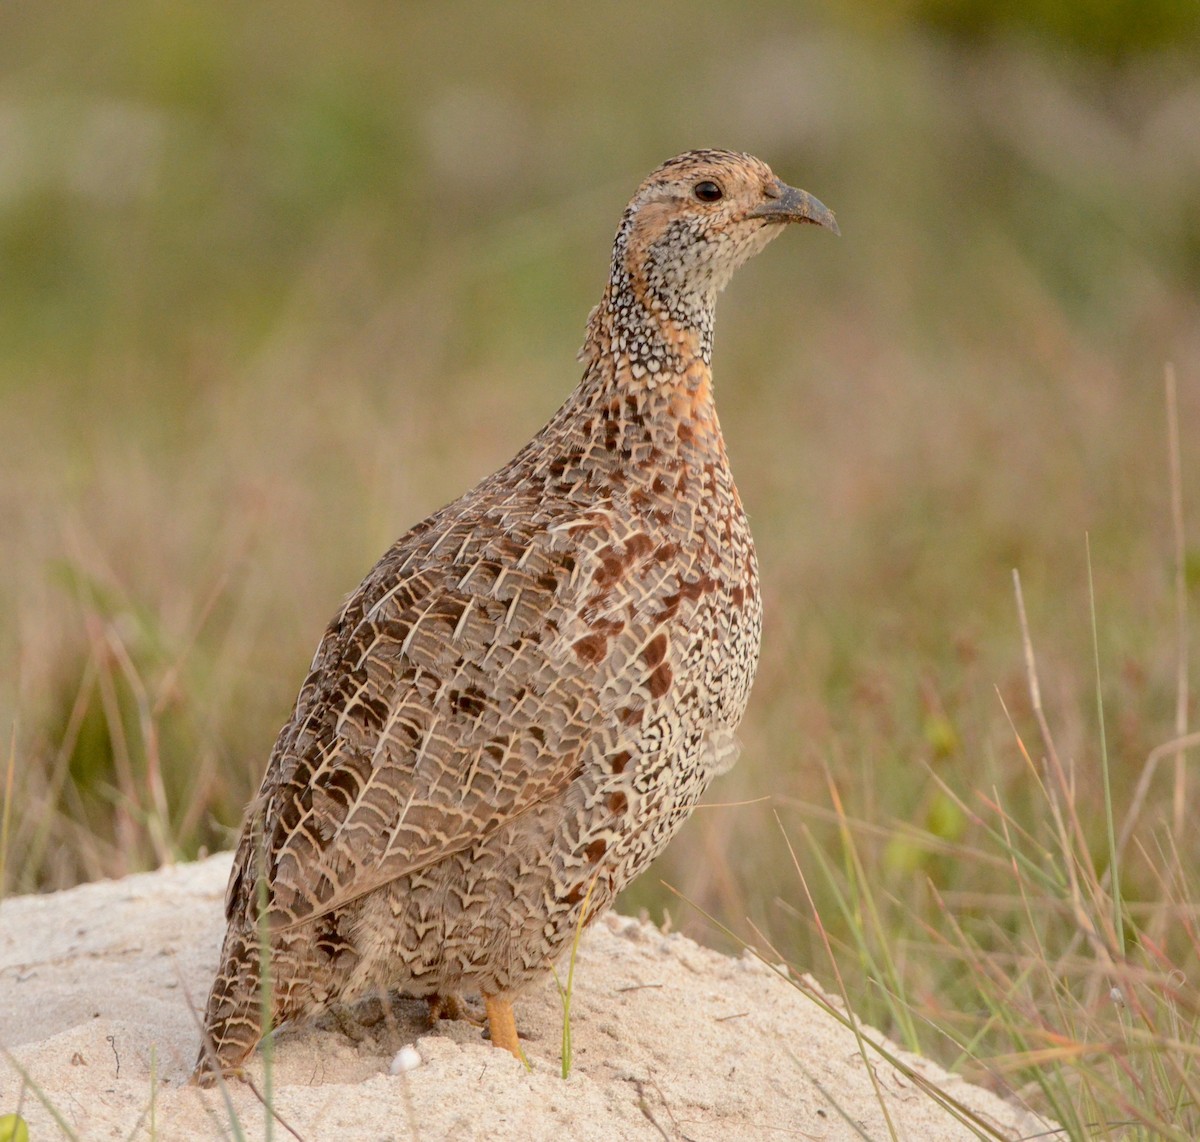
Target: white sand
x=672, y=1041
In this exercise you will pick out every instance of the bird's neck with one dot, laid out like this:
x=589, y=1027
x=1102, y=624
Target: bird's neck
x=652, y=363
x=651, y=338
x=646, y=322
x=643, y=411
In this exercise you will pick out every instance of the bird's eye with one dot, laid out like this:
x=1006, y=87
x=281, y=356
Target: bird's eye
x=708, y=191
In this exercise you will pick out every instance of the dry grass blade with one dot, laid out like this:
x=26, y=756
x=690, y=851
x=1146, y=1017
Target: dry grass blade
x=853, y=1022
x=1182, y=634
x=6, y=810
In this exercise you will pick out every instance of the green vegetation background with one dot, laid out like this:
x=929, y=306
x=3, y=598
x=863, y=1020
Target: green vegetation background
x=278, y=280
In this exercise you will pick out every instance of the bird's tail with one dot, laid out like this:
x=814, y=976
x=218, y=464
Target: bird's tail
x=241, y=1008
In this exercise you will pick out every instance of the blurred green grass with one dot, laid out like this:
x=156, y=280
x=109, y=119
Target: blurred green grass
x=275, y=283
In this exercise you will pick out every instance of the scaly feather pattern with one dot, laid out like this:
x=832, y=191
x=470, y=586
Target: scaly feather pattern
x=531, y=690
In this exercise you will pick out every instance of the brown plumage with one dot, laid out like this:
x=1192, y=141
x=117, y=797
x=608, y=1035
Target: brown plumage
x=530, y=691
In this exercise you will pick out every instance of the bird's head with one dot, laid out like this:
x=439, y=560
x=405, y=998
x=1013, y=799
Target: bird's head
x=698, y=217
x=691, y=223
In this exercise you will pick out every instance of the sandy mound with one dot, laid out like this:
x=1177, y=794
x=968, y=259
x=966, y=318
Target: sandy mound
x=671, y=1041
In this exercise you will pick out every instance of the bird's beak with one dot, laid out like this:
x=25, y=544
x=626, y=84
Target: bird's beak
x=787, y=204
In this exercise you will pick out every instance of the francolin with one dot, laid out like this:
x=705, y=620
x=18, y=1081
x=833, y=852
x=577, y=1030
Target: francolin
x=529, y=693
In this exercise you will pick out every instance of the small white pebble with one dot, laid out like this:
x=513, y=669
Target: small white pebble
x=407, y=1059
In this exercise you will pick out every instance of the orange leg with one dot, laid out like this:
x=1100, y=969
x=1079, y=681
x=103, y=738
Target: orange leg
x=503, y=1026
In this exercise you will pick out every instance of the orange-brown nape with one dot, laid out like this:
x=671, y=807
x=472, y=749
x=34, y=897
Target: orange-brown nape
x=526, y=697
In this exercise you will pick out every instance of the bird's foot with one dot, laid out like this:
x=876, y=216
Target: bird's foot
x=452, y=1006
x=502, y=1027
